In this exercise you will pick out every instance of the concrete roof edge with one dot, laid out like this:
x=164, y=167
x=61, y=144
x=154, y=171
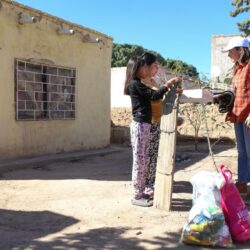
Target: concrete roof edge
x=228, y=35
x=54, y=18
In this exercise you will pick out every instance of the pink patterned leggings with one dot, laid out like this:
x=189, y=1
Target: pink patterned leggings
x=140, y=138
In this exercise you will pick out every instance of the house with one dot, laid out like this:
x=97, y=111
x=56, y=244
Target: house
x=54, y=85
x=118, y=99
x=221, y=65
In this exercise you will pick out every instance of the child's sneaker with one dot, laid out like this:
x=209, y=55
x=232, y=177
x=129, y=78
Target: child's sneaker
x=142, y=202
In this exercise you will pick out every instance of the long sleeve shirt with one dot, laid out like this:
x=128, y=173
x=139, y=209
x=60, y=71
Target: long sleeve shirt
x=156, y=105
x=241, y=86
x=141, y=97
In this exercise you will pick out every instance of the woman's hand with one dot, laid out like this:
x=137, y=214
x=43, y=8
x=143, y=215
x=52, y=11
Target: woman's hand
x=172, y=81
x=247, y=122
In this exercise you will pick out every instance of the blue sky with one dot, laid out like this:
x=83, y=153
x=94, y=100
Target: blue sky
x=175, y=29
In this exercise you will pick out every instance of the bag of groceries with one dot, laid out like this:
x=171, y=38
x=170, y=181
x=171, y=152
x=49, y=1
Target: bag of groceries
x=206, y=224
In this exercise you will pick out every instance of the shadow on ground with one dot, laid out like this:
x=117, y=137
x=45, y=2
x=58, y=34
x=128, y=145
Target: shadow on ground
x=17, y=228
x=181, y=205
x=192, y=156
x=115, y=166
x=110, y=238
x=98, y=239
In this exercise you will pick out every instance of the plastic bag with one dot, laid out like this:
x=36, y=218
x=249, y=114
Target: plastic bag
x=234, y=208
x=206, y=223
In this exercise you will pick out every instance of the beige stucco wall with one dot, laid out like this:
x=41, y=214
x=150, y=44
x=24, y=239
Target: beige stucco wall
x=40, y=41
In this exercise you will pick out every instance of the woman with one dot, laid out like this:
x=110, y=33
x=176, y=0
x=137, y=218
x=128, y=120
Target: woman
x=140, y=68
x=238, y=51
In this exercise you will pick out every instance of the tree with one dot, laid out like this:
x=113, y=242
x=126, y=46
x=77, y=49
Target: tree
x=122, y=52
x=181, y=68
x=241, y=7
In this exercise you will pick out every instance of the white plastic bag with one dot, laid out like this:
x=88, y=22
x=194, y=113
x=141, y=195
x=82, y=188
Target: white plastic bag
x=206, y=223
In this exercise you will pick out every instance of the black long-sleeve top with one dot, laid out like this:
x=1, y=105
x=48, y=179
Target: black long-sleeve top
x=141, y=97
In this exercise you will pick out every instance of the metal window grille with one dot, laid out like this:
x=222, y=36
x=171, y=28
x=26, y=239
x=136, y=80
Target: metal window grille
x=44, y=92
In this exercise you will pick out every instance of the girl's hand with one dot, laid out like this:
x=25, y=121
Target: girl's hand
x=179, y=90
x=172, y=81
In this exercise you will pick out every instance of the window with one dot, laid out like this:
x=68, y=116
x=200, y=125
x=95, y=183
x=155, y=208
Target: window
x=44, y=92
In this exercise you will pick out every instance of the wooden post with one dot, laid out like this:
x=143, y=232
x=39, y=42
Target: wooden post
x=166, y=154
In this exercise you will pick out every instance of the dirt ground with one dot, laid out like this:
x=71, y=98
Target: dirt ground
x=82, y=201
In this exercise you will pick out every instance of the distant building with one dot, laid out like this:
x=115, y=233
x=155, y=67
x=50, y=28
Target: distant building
x=221, y=65
x=54, y=85
x=118, y=99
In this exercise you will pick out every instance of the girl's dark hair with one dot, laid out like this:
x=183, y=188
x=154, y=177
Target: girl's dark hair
x=134, y=65
x=148, y=58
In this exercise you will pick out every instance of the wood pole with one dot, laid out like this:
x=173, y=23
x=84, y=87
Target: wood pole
x=166, y=153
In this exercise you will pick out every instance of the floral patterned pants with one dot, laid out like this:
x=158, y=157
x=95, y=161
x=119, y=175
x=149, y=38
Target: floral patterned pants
x=153, y=154
x=140, y=138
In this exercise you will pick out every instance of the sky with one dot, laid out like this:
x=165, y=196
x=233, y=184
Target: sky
x=179, y=30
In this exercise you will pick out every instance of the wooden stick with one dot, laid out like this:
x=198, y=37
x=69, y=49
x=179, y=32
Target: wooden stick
x=166, y=153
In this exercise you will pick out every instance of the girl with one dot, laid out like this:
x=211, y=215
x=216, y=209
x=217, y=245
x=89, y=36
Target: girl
x=140, y=68
x=155, y=131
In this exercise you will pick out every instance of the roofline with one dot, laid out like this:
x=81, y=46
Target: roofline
x=222, y=35
x=53, y=18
